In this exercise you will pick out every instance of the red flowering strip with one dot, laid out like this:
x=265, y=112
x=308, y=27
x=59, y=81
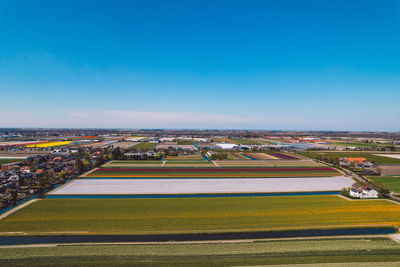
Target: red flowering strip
x=209, y=169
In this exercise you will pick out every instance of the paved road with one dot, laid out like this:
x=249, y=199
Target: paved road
x=356, y=177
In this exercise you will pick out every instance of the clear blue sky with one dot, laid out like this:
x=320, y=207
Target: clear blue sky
x=318, y=65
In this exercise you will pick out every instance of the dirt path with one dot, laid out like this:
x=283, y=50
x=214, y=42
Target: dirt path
x=356, y=177
x=11, y=211
x=369, y=199
x=89, y=172
x=397, y=236
x=216, y=164
x=106, y=164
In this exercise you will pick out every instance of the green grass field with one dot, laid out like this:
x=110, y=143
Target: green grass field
x=185, y=142
x=368, y=156
x=5, y=161
x=232, y=157
x=360, y=144
x=193, y=215
x=365, y=251
x=145, y=145
x=391, y=182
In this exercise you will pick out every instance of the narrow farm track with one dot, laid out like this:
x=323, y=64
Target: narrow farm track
x=89, y=172
x=193, y=237
x=356, y=177
x=5, y=214
x=216, y=164
x=394, y=237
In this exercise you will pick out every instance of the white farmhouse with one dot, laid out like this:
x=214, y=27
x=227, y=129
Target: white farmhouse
x=363, y=192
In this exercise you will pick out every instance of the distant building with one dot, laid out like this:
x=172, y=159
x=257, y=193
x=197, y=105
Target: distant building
x=227, y=146
x=358, y=162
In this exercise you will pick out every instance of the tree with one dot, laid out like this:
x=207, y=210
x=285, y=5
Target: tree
x=87, y=164
x=79, y=165
x=62, y=174
x=99, y=161
x=116, y=154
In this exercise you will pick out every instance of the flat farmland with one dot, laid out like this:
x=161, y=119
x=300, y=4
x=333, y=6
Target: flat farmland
x=133, y=163
x=391, y=182
x=20, y=154
x=194, y=215
x=389, y=170
x=158, y=163
x=268, y=163
x=145, y=145
x=261, y=156
x=331, y=252
x=6, y=161
x=231, y=172
x=249, y=141
x=201, y=186
x=125, y=145
x=369, y=156
x=188, y=163
x=394, y=156
x=184, y=157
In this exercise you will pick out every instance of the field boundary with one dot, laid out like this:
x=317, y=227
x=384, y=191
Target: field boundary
x=89, y=172
x=395, y=237
x=30, y=238
x=107, y=163
x=5, y=214
x=222, y=241
x=368, y=199
x=199, y=195
x=215, y=163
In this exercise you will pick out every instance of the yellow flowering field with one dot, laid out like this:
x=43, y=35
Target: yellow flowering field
x=51, y=144
x=203, y=214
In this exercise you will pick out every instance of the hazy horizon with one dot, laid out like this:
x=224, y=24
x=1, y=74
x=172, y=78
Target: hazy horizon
x=287, y=65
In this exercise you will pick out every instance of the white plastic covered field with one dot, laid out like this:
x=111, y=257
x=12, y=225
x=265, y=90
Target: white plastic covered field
x=201, y=186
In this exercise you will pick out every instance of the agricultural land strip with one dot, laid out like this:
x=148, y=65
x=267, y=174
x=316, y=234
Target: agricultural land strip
x=390, y=170
x=370, y=251
x=268, y=163
x=394, y=156
x=369, y=156
x=391, y=182
x=199, y=215
x=201, y=186
x=213, y=171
